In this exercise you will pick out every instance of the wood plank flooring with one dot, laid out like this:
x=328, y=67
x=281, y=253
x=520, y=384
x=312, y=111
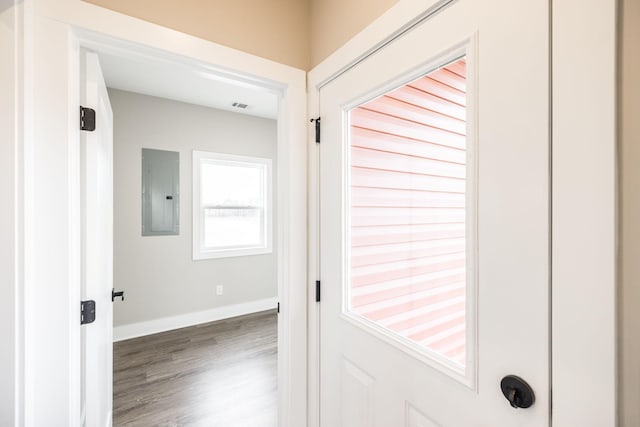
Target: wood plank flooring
x=217, y=374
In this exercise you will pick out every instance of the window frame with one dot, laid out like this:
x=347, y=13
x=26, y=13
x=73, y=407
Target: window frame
x=200, y=252
x=467, y=374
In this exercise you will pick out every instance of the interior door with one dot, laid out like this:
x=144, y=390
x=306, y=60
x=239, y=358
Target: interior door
x=97, y=245
x=434, y=193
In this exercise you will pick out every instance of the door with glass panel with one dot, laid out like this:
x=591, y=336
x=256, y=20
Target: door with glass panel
x=434, y=218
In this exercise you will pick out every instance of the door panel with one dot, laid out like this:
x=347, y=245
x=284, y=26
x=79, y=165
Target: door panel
x=97, y=246
x=415, y=418
x=434, y=189
x=357, y=396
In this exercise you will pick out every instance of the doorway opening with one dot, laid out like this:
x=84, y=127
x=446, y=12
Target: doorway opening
x=196, y=335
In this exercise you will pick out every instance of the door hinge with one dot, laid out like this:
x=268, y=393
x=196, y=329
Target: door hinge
x=116, y=294
x=87, y=119
x=317, y=121
x=278, y=307
x=317, y=290
x=87, y=311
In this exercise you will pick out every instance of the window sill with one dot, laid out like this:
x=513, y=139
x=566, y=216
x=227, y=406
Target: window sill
x=228, y=253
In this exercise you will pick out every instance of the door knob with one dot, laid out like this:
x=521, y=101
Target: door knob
x=115, y=294
x=517, y=392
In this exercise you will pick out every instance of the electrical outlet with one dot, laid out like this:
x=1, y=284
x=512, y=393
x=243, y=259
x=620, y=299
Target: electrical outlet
x=219, y=290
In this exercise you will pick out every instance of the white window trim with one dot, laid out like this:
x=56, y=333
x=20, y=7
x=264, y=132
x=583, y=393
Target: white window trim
x=465, y=374
x=199, y=251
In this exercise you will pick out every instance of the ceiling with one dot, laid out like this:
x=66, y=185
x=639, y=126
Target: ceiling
x=180, y=82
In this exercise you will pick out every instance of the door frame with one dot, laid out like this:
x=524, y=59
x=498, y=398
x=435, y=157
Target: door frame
x=11, y=324
x=583, y=186
x=54, y=32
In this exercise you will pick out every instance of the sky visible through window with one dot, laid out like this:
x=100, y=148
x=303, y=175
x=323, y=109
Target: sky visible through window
x=233, y=202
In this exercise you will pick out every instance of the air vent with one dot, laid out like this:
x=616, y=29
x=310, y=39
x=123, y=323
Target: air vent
x=239, y=105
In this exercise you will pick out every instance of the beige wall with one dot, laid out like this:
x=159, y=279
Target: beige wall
x=334, y=22
x=157, y=272
x=300, y=33
x=273, y=29
x=629, y=297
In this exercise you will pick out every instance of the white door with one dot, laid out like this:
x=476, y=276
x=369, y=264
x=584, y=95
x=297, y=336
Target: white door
x=97, y=245
x=434, y=192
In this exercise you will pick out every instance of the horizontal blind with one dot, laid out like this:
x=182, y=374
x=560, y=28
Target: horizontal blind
x=407, y=177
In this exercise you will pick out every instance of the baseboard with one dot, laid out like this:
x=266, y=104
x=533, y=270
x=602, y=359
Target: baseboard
x=134, y=330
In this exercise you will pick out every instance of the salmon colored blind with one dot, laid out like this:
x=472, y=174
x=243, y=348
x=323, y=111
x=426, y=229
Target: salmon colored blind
x=408, y=180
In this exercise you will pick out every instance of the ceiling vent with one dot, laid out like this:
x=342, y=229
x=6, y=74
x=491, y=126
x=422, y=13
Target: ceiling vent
x=239, y=105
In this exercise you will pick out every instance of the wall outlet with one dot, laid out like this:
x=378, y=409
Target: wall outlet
x=219, y=290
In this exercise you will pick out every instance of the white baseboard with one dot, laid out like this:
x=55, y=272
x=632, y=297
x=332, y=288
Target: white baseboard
x=134, y=330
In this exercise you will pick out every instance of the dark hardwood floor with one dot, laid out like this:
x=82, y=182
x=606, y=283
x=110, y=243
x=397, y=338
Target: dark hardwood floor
x=217, y=374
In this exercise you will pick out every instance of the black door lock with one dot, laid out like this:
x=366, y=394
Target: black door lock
x=115, y=294
x=517, y=392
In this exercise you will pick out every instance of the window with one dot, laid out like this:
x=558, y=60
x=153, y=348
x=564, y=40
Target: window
x=410, y=222
x=232, y=214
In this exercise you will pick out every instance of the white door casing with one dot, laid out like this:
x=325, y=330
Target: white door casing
x=54, y=31
x=96, y=169
x=365, y=377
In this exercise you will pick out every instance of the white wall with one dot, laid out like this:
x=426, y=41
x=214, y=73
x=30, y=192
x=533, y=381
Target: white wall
x=8, y=179
x=158, y=274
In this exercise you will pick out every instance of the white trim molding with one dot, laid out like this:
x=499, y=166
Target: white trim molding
x=264, y=165
x=584, y=225
x=149, y=327
x=11, y=230
x=55, y=30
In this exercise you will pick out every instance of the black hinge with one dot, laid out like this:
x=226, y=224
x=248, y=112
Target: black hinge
x=87, y=119
x=116, y=294
x=87, y=311
x=317, y=129
x=278, y=307
x=317, y=290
